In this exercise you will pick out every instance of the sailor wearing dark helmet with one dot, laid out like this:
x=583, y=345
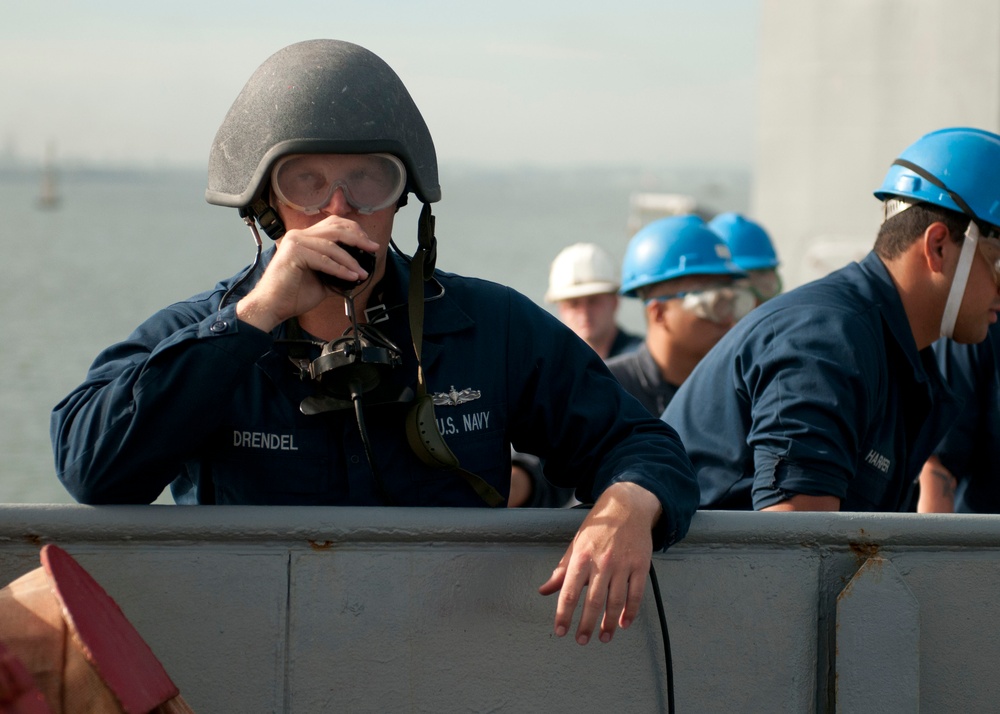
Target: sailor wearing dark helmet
x=340, y=372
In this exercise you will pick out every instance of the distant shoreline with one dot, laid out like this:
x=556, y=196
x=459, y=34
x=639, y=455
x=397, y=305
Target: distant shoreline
x=19, y=169
x=19, y=172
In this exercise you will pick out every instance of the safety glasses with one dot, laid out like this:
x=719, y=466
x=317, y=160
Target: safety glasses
x=989, y=248
x=765, y=284
x=307, y=182
x=720, y=305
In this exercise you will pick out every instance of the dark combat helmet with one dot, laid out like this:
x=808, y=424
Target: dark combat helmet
x=318, y=96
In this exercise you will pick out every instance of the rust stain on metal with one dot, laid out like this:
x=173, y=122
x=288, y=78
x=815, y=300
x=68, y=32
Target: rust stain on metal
x=321, y=545
x=863, y=551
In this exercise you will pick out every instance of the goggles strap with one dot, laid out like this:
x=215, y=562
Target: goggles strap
x=958, y=283
x=416, y=304
x=893, y=207
x=964, y=266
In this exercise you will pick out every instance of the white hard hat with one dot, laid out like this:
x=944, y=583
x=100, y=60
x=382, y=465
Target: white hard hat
x=579, y=270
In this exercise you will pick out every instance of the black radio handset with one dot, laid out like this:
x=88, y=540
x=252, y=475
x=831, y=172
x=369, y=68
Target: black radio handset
x=274, y=227
x=365, y=259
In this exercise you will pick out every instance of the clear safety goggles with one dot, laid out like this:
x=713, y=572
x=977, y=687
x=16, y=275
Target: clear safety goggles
x=307, y=182
x=765, y=284
x=720, y=305
x=979, y=238
x=989, y=248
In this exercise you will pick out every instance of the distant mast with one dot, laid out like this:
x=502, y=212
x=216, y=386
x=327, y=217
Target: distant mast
x=48, y=197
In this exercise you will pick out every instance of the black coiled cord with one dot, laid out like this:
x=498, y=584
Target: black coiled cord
x=668, y=660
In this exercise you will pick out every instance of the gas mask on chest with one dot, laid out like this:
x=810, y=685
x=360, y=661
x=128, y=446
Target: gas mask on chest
x=356, y=369
x=356, y=364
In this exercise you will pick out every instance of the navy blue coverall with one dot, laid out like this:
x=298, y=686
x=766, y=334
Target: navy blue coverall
x=641, y=377
x=210, y=405
x=971, y=448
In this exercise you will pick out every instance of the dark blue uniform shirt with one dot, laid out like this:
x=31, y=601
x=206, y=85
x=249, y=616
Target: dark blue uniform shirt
x=641, y=377
x=624, y=343
x=820, y=391
x=199, y=400
x=971, y=448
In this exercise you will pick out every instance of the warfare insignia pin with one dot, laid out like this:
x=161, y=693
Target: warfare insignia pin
x=452, y=398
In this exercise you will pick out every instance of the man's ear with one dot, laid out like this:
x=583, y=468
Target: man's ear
x=935, y=241
x=654, y=312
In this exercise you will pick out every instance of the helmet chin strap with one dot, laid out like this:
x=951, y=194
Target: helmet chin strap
x=958, y=283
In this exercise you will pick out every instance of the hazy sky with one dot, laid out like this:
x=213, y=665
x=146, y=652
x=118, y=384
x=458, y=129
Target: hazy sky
x=545, y=82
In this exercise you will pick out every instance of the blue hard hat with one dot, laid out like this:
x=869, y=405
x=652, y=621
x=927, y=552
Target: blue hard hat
x=672, y=248
x=956, y=168
x=748, y=241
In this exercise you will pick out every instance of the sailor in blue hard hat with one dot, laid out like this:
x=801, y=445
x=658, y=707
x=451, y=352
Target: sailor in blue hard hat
x=827, y=397
x=961, y=475
x=752, y=250
x=685, y=276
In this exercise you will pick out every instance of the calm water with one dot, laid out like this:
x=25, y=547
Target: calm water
x=119, y=246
